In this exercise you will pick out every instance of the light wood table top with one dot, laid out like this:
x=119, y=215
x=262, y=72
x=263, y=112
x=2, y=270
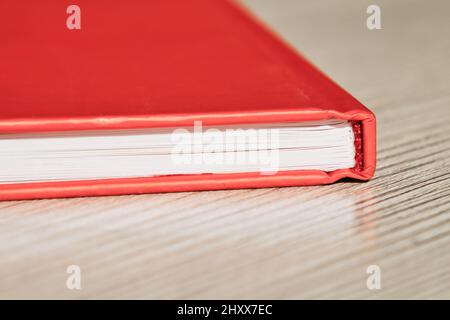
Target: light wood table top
x=306, y=242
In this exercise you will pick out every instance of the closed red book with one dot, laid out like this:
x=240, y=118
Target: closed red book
x=152, y=65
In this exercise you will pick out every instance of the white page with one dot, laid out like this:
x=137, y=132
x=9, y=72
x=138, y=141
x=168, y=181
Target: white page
x=32, y=157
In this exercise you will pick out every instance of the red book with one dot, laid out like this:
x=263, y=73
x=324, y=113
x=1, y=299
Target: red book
x=154, y=65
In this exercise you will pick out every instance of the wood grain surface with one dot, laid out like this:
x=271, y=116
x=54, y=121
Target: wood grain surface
x=306, y=242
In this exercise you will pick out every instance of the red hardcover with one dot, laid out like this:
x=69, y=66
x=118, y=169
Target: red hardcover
x=145, y=64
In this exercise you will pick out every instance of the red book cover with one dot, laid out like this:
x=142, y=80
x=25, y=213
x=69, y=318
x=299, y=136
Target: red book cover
x=154, y=64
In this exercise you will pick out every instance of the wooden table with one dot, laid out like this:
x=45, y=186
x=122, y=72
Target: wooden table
x=308, y=242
